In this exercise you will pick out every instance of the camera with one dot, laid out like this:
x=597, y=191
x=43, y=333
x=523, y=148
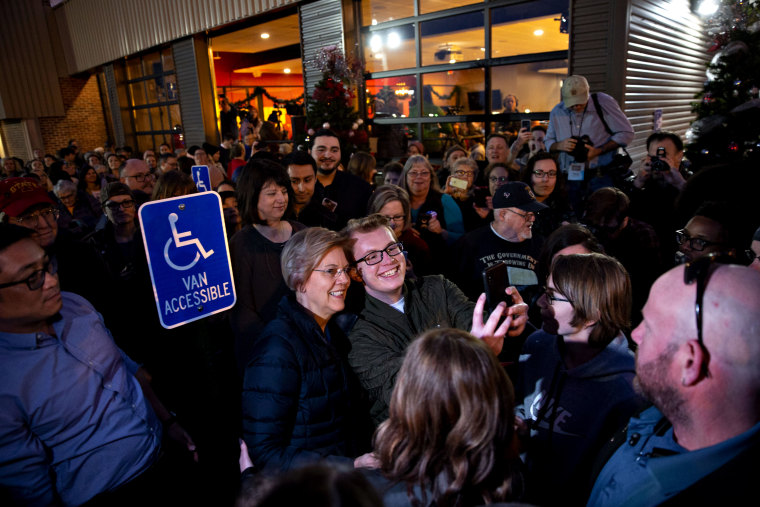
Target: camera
x=427, y=216
x=580, y=152
x=659, y=164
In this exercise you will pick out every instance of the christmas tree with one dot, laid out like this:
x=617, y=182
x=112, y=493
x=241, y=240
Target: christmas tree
x=727, y=128
x=331, y=105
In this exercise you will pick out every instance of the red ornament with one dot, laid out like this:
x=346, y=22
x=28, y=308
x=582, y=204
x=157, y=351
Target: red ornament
x=733, y=147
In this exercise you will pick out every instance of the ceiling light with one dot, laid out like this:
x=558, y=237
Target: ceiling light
x=264, y=35
x=286, y=70
x=453, y=60
x=394, y=40
x=375, y=43
x=538, y=33
x=527, y=111
x=707, y=7
x=374, y=22
x=378, y=55
x=482, y=49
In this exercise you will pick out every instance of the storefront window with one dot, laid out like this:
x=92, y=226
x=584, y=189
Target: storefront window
x=453, y=39
x=153, y=99
x=513, y=35
x=453, y=92
x=380, y=11
x=390, y=49
x=536, y=86
x=392, y=97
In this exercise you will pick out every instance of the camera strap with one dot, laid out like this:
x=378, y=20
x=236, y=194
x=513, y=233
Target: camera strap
x=600, y=113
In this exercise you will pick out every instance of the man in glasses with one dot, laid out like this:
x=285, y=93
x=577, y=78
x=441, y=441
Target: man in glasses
x=509, y=238
x=710, y=230
x=697, y=362
x=396, y=311
x=137, y=176
x=77, y=416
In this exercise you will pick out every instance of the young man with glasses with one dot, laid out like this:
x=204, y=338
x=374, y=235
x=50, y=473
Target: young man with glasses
x=396, y=311
x=509, y=238
x=697, y=362
x=77, y=416
x=710, y=230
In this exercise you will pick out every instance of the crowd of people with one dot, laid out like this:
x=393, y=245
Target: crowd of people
x=362, y=362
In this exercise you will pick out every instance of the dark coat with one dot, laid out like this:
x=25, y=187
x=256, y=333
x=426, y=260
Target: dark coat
x=297, y=394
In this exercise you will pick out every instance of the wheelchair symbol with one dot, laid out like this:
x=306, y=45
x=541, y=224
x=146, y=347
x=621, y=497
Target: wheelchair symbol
x=179, y=242
x=201, y=186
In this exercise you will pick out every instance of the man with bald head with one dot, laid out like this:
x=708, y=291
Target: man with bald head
x=698, y=444
x=137, y=176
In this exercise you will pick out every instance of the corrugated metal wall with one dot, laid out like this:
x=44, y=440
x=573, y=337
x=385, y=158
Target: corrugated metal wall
x=105, y=30
x=114, y=105
x=14, y=139
x=28, y=82
x=189, y=91
x=321, y=25
x=665, y=66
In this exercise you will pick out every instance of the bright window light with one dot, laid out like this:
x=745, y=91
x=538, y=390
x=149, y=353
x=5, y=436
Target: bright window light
x=707, y=7
x=264, y=35
x=375, y=43
x=394, y=40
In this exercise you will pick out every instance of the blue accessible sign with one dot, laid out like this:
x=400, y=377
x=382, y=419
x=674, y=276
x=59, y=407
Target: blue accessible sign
x=186, y=245
x=202, y=178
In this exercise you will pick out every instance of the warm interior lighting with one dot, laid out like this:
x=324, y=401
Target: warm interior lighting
x=375, y=43
x=394, y=40
x=264, y=35
x=538, y=33
x=286, y=70
x=453, y=60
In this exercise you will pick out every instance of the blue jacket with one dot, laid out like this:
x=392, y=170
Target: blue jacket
x=297, y=404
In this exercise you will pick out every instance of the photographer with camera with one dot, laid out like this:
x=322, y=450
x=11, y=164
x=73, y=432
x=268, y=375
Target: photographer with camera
x=657, y=185
x=586, y=130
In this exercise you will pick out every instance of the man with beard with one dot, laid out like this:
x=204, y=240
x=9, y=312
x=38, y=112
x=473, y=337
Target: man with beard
x=697, y=358
x=343, y=193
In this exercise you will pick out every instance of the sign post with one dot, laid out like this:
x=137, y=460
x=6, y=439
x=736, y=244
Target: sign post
x=202, y=178
x=186, y=245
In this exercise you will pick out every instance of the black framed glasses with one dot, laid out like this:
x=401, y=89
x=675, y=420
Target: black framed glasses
x=37, y=279
x=527, y=216
x=113, y=205
x=699, y=271
x=538, y=173
x=141, y=177
x=377, y=256
x=696, y=244
x=751, y=255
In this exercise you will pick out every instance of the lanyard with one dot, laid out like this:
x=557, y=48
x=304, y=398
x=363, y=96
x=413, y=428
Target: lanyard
x=580, y=124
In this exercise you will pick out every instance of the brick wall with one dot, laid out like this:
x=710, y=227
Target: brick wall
x=83, y=121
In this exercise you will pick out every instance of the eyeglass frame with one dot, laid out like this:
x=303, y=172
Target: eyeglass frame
x=398, y=244
x=538, y=173
x=420, y=174
x=525, y=217
x=48, y=267
x=498, y=179
x=699, y=270
x=348, y=271
x=44, y=213
x=690, y=240
x=114, y=205
x=141, y=177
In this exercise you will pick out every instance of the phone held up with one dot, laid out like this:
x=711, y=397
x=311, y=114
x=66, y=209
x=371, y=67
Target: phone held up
x=495, y=283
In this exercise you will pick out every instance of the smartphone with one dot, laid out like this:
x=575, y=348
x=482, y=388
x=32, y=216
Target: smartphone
x=495, y=282
x=480, y=194
x=525, y=124
x=458, y=183
x=329, y=204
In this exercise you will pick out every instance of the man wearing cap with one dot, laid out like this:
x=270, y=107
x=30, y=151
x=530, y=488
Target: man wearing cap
x=509, y=239
x=24, y=202
x=578, y=115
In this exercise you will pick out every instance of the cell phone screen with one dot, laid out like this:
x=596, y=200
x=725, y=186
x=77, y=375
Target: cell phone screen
x=495, y=282
x=481, y=193
x=525, y=124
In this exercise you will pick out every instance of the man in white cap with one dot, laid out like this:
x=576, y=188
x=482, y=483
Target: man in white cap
x=597, y=116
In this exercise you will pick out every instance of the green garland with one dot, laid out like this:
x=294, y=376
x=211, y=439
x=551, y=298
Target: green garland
x=261, y=91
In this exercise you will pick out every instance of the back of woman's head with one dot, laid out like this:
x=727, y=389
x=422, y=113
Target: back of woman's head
x=451, y=421
x=599, y=289
x=362, y=165
x=173, y=184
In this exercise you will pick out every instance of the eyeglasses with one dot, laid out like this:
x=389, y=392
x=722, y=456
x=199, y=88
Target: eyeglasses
x=459, y=172
x=395, y=218
x=377, y=256
x=540, y=174
x=31, y=219
x=336, y=272
x=37, y=279
x=498, y=179
x=141, y=177
x=67, y=197
x=527, y=216
x=113, y=205
x=419, y=174
x=697, y=244
x=552, y=298
x=751, y=256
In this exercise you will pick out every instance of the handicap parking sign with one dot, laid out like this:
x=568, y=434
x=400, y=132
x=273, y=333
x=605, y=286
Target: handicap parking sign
x=186, y=245
x=202, y=178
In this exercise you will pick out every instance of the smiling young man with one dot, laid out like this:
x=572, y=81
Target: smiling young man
x=344, y=194
x=76, y=418
x=396, y=311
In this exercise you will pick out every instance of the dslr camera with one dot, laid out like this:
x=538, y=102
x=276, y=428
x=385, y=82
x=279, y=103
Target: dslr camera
x=659, y=164
x=580, y=152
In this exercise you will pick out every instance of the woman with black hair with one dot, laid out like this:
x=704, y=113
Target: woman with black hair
x=264, y=195
x=548, y=184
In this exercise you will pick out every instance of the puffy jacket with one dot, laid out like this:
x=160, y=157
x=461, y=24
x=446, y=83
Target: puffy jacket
x=382, y=333
x=296, y=396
